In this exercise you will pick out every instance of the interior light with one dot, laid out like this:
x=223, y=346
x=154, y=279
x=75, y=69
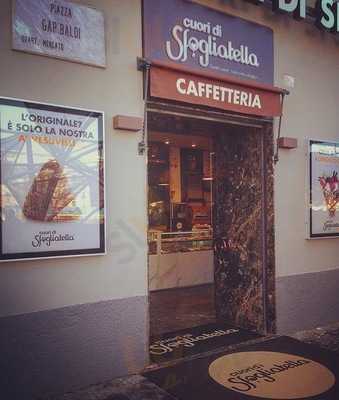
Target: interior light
x=167, y=142
x=194, y=145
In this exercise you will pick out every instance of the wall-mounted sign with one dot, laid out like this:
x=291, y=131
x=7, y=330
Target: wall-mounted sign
x=326, y=12
x=324, y=189
x=52, y=181
x=271, y=375
x=180, y=32
x=327, y=15
x=195, y=89
x=59, y=29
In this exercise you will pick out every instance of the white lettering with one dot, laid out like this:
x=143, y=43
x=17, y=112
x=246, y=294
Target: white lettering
x=327, y=19
x=243, y=99
x=188, y=340
x=288, y=6
x=209, y=89
x=180, y=89
x=218, y=93
x=256, y=102
x=237, y=55
x=201, y=88
x=253, y=60
x=184, y=43
x=180, y=56
x=236, y=97
x=230, y=92
x=223, y=93
x=186, y=22
x=192, y=89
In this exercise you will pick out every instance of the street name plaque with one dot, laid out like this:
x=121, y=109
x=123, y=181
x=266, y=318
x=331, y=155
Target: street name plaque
x=63, y=30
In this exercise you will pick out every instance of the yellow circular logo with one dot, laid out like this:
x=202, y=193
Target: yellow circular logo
x=271, y=375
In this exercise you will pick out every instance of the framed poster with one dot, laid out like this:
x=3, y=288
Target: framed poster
x=324, y=189
x=52, y=181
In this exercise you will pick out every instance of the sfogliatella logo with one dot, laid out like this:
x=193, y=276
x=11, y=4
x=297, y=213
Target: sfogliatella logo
x=271, y=375
x=187, y=41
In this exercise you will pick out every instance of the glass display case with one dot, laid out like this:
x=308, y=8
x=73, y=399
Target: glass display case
x=174, y=242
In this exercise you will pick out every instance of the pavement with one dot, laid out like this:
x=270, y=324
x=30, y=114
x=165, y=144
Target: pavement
x=137, y=387
x=326, y=337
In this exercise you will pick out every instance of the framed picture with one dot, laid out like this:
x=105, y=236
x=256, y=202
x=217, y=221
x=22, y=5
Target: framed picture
x=52, y=181
x=192, y=161
x=323, y=189
x=192, y=174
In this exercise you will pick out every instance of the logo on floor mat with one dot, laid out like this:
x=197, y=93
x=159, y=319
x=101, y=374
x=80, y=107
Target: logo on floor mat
x=187, y=340
x=271, y=375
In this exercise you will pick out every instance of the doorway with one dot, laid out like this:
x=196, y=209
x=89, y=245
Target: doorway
x=180, y=205
x=211, y=228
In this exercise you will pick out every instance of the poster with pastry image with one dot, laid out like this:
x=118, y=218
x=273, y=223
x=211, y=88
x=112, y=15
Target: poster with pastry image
x=324, y=189
x=52, y=181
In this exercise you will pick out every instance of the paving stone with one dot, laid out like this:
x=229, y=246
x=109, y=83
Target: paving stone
x=134, y=387
x=326, y=337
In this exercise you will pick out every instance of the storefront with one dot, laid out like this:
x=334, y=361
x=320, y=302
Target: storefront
x=187, y=57
x=160, y=120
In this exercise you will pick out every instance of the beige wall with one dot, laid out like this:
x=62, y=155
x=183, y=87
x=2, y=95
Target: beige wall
x=311, y=111
x=40, y=285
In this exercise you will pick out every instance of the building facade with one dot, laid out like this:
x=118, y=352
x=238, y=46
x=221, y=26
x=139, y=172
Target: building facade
x=69, y=322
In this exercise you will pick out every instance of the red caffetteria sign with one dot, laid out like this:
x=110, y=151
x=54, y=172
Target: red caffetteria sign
x=195, y=89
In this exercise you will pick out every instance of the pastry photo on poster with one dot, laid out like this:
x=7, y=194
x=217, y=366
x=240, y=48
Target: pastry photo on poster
x=324, y=188
x=52, y=181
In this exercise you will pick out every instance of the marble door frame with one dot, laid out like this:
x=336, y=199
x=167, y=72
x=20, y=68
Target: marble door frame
x=244, y=228
x=265, y=125
x=269, y=306
x=270, y=289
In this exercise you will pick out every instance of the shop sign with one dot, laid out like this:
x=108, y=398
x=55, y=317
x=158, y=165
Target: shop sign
x=324, y=189
x=59, y=29
x=194, y=89
x=272, y=375
x=326, y=11
x=179, y=32
x=52, y=181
